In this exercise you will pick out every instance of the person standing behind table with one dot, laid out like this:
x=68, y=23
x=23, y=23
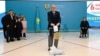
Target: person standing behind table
x=24, y=25
x=4, y=27
x=18, y=28
x=16, y=17
x=9, y=23
x=54, y=19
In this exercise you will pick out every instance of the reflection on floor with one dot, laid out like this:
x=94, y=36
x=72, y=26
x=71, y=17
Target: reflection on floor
x=37, y=45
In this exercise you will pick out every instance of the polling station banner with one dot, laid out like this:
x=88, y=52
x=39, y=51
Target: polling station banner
x=93, y=13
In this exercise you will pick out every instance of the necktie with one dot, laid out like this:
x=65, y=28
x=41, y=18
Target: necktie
x=12, y=17
x=53, y=14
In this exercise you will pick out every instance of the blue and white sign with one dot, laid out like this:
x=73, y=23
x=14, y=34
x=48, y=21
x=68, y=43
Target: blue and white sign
x=93, y=13
x=2, y=11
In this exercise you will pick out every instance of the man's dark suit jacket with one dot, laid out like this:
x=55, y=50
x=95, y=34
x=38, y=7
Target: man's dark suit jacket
x=53, y=18
x=7, y=20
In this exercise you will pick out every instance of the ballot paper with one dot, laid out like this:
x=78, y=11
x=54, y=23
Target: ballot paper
x=55, y=28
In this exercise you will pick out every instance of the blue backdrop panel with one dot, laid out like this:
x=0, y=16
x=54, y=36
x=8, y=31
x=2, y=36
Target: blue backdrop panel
x=46, y=0
x=71, y=13
x=1, y=15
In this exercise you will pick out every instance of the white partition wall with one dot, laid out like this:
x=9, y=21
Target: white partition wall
x=2, y=11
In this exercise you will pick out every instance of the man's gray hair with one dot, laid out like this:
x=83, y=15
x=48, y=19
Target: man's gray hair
x=53, y=5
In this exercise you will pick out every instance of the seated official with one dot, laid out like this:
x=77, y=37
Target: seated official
x=84, y=27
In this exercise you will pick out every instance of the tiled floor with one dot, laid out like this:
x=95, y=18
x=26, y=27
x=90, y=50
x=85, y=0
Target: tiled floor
x=37, y=45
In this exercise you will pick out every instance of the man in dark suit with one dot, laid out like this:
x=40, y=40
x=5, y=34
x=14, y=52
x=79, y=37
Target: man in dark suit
x=53, y=20
x=8, y=22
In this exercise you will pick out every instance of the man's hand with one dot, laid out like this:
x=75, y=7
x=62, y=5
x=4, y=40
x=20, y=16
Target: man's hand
x=52, y=24
x=58, y=24
x=8, y=26
x=15, y=26
x=85, y=27
x=82, y=27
